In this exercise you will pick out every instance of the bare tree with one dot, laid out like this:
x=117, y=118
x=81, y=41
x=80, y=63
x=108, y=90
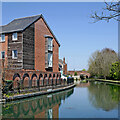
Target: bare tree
x=110, y=11
x=100, y=62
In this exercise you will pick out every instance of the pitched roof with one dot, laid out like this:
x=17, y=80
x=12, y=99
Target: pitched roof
x=21, y=24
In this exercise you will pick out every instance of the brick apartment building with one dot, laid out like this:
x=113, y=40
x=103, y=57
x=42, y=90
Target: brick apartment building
x=29, y=44
x=63, y=66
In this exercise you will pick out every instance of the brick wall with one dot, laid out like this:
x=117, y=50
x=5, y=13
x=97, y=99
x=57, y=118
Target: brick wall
x=41, y=30
x=4, y=47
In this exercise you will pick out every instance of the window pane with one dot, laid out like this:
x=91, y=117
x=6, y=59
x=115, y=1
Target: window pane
x=15, y=53
x=50, y=44
x=50, y=55
x=3, y=37
x=14, y=36
x=3, y=54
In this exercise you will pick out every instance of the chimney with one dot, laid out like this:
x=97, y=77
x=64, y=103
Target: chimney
x=64, y=60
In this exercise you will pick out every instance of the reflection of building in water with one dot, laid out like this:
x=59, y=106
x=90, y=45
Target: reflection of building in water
x=39, y=107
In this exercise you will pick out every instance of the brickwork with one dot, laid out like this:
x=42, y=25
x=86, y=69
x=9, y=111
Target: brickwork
x=30, y=61
x=41, y=30
x=64, y=66
x=4, y=47
x=28, y=78
x=79, y=73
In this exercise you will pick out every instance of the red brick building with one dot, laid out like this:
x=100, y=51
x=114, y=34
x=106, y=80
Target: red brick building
x=63, y=66
x=29, y=44
x=85, y=73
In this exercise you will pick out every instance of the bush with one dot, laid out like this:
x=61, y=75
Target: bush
x=75, y=74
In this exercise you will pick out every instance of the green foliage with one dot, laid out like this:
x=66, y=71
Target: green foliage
x=83, y=70
x=100, y=62
x=75, y=74
x=115, y=70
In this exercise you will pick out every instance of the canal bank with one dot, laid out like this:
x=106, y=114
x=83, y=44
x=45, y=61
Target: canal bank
x=113, y=82
x=93, y=101
x=27, y=95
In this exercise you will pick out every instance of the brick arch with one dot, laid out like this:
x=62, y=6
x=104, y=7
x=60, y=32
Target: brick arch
x=41, y=80
x=26, y=80
x=57, y=77
x=45, y=79
x=16, y=80
x=16, y=75
x=54, y=79
x=33, y=80
x=50, y=79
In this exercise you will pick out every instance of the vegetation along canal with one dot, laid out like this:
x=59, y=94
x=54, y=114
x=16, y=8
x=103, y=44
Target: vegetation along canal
x=86, y=100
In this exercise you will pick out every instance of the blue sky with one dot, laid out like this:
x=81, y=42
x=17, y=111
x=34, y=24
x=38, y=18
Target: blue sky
x=73, y=27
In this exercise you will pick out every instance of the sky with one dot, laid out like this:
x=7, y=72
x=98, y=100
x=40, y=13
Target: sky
x=71, y=23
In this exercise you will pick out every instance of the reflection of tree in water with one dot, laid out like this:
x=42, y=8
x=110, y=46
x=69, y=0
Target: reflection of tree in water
x=104, y=96
x=36, y=107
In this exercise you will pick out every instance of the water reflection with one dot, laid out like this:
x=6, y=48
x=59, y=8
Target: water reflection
x=104, y=96
x=39, y=107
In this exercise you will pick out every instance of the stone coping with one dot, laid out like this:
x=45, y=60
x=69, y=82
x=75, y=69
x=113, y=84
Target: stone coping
x=107, y=81
x=17, y=97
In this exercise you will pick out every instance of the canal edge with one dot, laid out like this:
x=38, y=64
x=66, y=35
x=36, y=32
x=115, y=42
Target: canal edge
x=18, y=97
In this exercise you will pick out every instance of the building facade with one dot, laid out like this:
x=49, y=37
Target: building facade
x=29, y=44
x=63, y=66
x=79, y=73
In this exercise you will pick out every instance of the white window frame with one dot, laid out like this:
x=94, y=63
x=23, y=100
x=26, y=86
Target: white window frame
x=50, y=61
x=13, y=54
x=13, y=36
x=1, y=54
x=2, y=40
x=50, y=43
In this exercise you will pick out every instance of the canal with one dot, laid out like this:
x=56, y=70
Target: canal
x=86, y=100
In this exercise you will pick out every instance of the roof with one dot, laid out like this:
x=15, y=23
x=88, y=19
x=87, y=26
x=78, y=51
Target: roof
x=20, y=24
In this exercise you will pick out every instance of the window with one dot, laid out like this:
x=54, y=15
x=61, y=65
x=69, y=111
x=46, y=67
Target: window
x=14, y=36
x=50, y=44
x=3, y=54
x=2, y=37
x=14, y=54
x=50, y=57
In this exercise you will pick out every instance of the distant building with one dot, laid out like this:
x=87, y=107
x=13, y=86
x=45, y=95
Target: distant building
x=63, y=66
x=79, y=73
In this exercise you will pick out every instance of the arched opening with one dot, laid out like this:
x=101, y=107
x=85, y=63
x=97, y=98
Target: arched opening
x=26, y=80
x=50, y=80
x=34, y=80
x=16, y=80
x=54, y=79
x=41, y=80
x=45, y=80
x=57, y=79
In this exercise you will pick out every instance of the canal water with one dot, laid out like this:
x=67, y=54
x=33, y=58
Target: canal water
x=86, y=100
